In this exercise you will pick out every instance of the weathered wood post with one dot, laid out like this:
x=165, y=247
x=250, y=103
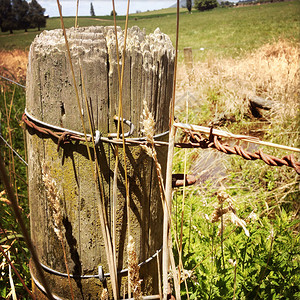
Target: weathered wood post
x=189, y=64
x=51, y=99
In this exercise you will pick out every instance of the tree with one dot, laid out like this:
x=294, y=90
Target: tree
x=21, y=13
x=7, y=19
x=203, y=5
x=36, y=15
x=92, y=12
x=189, y=5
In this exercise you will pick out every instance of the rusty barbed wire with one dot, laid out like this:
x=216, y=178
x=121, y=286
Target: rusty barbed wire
x=196, y=140
x=191, y=140
x=63, y=137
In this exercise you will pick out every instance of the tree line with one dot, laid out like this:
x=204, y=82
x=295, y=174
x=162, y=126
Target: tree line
x=19, y=14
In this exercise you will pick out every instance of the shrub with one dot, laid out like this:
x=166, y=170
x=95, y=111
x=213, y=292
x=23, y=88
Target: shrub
x=203, y=5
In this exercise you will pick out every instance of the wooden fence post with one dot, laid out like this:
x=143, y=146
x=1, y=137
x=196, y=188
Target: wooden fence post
x=149, y=64
x=189, y=64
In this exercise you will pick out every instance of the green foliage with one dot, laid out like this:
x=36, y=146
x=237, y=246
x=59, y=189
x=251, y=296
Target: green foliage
x=231, y=265
x=36, y=15
x=267, y=261
x=203, y=5
x=262, y=266
x=12, y=102
x=21, y=13
x=18, y=15
x=7, y=18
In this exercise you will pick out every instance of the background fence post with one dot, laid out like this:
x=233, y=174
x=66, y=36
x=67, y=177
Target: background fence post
x=51, y=98
x=189, y=64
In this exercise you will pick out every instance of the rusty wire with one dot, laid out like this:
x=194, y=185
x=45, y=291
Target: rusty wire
x=191, y=140
x=196, y=140
x=63, y=137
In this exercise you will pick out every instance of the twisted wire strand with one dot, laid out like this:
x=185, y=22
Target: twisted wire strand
x=195, y=140
x=192, y=140
x=64, y=135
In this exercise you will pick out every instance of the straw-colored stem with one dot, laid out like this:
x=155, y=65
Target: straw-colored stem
x=67, y=268
x=167, y=204
x=180, y=266
x=120, y=117
x=110, y=252
x=17, y=273
x=102, y=210
x=115, y=203
x=168, y=189
x=115, y=196
x=11, y=159
x=14, y=204
x=173, y=266
x=159, y=276
x=77, y=4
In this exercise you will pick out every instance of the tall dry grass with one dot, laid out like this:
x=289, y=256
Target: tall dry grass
x=222, y=88
x=271, y=72
x=14, y=64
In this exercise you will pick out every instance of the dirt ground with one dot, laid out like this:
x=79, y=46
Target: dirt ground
x=13, y=64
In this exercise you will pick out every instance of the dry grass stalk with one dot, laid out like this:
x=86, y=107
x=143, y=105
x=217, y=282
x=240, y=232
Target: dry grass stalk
x=12, y=169
x=227, y=212
x=133, y=270
x=57, y=216
x=109, y=246
x=6, y=201
x=167, y=217
x=96, y=174
x=11, y=281
x=271, y=72
x=12, y=198
x=120, y=117
x=149, y=130
x=158, y=276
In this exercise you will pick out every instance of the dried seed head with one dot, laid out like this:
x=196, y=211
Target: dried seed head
x=218, y=213
x=148, y=123
x=222, y=196
x=148, y=150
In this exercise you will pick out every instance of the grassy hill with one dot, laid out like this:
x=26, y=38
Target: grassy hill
x=252, y=250
x=222, y=31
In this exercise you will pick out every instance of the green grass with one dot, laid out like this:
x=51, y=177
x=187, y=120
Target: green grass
x=268, y=260
x=221, y=32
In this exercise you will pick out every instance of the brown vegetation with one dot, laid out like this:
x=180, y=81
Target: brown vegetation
x=13, y=64
x=271, y=72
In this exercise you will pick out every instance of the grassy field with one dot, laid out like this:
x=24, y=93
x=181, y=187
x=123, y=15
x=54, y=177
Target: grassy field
x=253, y=250
x=222, y=31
